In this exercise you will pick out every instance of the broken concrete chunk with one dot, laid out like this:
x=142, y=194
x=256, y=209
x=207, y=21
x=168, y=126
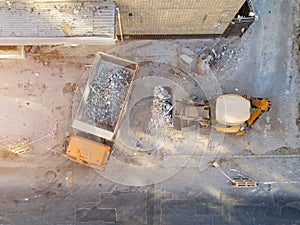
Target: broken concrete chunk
x=185, y=63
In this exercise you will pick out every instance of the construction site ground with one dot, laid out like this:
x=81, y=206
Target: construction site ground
x=158, y=176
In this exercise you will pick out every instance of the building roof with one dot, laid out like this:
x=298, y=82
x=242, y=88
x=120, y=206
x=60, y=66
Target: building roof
x=55, y=20
x=177, y=17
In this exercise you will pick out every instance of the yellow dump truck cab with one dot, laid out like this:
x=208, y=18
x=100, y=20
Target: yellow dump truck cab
x=88, y=153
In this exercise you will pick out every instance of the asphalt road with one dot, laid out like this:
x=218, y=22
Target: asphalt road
x=81, y=196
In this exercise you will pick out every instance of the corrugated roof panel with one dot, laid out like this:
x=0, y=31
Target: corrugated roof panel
x=57, y=19
x=172, y=17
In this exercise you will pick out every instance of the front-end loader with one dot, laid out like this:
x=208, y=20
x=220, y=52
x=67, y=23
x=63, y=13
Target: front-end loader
x=235, y=113
x=229, y=113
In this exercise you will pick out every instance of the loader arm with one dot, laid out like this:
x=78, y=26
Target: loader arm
x=261, y=105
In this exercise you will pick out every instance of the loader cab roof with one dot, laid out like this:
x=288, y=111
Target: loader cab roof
x=232, y=109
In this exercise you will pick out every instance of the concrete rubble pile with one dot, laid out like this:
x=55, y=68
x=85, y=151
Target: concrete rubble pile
x=161, y=108
x=106, y=97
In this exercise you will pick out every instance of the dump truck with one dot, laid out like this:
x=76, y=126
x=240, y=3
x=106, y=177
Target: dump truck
x=229, y=113
x=101, y=109
x=106, y=96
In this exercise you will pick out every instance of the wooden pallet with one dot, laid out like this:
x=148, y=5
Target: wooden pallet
x=20, y=147
x=243, y=182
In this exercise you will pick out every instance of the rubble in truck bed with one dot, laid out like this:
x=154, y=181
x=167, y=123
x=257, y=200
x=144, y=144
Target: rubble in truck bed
x=107, y=93
x=162, y=107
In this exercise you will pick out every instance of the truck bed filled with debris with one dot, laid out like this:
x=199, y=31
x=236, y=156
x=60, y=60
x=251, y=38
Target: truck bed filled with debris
x=106, y=95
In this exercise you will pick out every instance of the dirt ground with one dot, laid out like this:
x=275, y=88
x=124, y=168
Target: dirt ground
x=46, y=88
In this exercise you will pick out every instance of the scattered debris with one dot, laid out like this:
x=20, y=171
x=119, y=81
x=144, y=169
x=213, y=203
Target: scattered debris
x=9, y=4
x=286, y=151
x=69, y=88
x=198, y=67
x=162, y=107
x=217, y=56
x=269, y=187
x=215, y=164
x=251, y=14
x=23, y=200
x=199, y=52
x=46, y=57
